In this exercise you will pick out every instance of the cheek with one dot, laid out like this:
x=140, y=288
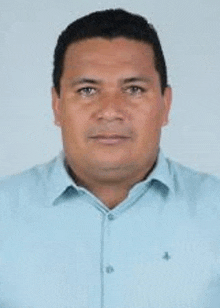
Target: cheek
x=71, y=115
x=148, y=127
x=73, y=124
x=150, y=117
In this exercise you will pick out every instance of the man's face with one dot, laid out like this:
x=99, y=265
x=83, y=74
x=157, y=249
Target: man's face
x=110, y=107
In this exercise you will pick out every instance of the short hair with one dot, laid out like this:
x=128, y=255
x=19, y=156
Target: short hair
x=109, y=24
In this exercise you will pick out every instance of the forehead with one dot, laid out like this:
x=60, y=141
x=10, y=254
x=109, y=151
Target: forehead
x=109, y=54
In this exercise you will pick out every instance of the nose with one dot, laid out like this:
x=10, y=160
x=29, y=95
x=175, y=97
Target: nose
x=111, y=108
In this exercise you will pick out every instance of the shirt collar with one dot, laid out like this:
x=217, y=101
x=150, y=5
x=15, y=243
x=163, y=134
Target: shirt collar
x=162, y=172
x=59, y=181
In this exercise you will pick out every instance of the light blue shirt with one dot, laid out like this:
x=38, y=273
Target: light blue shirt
x=61, y=247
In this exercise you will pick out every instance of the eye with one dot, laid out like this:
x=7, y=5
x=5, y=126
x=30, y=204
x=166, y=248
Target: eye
x=135, y=90
x=86, y=91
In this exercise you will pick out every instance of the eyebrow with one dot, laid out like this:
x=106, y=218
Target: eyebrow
x=79, y=81
x=84, y=80
x=137, y=79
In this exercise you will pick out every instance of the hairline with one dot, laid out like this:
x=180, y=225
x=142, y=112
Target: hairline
x=109, y=38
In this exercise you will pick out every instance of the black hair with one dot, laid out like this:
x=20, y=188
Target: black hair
x=109, y=24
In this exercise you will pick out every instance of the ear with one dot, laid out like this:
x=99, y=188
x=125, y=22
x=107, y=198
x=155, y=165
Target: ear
x=56, y=105
x=167, y=100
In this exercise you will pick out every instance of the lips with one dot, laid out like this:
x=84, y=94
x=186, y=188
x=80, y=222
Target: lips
x=110, y=139
x=109, y=136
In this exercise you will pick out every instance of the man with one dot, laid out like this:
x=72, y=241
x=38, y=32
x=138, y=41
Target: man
x=110, y=222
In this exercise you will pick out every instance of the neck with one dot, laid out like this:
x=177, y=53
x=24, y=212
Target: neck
x=111, y=194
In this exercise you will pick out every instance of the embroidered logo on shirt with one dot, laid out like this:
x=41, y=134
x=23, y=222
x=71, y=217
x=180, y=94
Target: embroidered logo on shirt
x=166, y=256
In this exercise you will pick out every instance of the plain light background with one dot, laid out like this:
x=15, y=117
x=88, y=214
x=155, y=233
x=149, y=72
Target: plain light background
x=190, y=35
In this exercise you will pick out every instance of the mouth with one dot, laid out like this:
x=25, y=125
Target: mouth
x=110, y=139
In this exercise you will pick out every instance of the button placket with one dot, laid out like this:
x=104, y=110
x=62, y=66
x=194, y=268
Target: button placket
x=108, y=268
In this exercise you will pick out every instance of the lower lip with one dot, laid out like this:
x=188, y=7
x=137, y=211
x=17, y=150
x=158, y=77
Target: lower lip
x=111, y=140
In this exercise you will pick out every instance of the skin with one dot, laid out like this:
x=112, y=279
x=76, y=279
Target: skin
x=110, y=87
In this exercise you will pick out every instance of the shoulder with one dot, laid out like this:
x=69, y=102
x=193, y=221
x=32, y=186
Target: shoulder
x=30, y=181
x=197, y=187
x=184, y=175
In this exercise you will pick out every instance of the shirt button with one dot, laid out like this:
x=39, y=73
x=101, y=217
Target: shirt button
x=109, y=269
x=111, y=217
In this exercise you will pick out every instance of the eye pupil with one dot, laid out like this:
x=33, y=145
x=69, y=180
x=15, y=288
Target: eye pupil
x=135, y=89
